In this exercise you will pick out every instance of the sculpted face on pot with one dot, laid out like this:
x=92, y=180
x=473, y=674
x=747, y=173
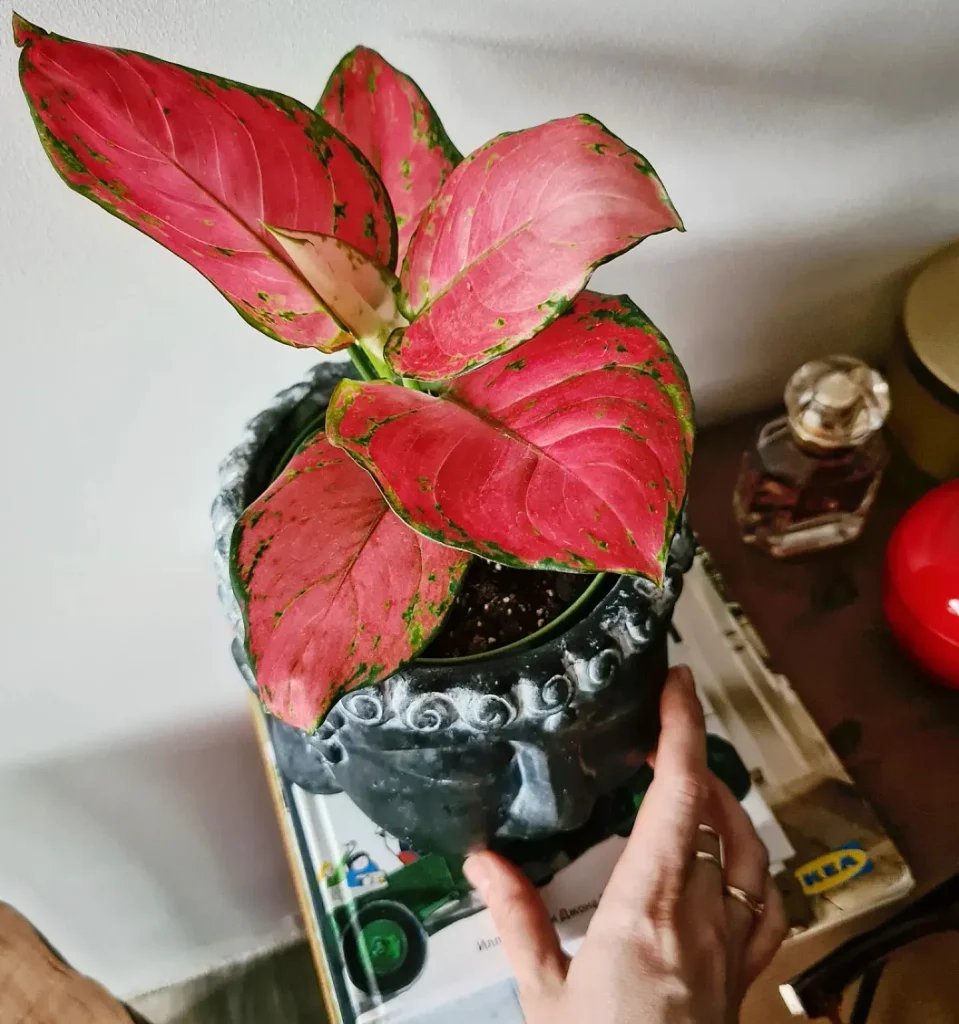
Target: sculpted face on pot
x=510, y=754
x=450, y=755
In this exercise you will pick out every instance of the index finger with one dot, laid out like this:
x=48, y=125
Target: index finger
x=653, y=867
x=682, y=739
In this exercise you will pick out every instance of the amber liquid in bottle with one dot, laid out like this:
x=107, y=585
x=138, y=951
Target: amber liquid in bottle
x=792, y=499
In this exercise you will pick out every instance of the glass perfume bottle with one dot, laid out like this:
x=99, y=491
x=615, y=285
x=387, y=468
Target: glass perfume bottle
x=811, y=476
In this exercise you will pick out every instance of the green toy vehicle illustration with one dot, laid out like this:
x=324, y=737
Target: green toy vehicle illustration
x=383, y=920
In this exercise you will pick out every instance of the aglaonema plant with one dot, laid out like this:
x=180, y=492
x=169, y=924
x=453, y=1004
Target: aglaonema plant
x=504, y=412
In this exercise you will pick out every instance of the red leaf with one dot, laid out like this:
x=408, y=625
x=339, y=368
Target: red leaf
x=572, y=454
x=513, y=235
x=360, y=293
x=200, y=164
x=338, y=591
x=384, y=113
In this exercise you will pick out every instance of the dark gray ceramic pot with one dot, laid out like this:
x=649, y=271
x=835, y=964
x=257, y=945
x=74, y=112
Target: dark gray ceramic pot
x=453, y=756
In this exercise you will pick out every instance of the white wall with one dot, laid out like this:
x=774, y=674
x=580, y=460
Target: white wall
x=813, y=151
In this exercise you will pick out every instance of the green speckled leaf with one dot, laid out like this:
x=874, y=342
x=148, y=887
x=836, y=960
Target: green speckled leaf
x=513, y=236
x=386, y=116
x=571, y=453
x=337, y=591
x=201, y=164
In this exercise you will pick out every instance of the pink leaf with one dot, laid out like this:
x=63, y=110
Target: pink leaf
x=572, y=454
x=200, y=164
x=386, y=116
x=513, y=235
x=338, y=591
x=360, y=293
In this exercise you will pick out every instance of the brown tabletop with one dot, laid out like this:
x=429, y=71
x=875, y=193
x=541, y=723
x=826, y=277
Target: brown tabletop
x=821, y=618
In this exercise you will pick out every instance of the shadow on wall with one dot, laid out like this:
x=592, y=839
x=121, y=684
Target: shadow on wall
x=180, y=821
x=743, y=317
x=867, y=62
x=811, y=186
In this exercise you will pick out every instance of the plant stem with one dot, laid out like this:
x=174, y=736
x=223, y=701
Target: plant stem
x=371, y=367
x=374, y=355
x=362, y=362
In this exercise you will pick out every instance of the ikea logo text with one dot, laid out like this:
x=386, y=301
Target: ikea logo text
x=833, y=869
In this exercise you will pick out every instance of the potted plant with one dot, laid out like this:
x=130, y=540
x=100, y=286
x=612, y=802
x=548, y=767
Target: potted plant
x=451, y=566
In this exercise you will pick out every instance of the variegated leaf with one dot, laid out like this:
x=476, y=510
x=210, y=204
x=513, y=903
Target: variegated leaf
x=385, y=114
x=201, y=164
x=358, y=292
x=338, y=592
x=570, y=454
x=514, y=235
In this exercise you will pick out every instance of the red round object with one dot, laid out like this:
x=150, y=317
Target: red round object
x=921, y=584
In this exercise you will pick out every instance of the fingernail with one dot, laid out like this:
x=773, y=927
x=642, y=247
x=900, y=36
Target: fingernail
x=477, y=872
x=685, y=674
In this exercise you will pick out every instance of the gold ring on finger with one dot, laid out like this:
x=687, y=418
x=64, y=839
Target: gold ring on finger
x=754, y=906
x=711, y=858
x=708, y=830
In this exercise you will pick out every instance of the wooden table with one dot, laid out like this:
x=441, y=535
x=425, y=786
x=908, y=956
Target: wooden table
x=821, y=618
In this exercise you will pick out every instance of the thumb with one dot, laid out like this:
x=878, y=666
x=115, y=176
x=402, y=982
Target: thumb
x=529, y=939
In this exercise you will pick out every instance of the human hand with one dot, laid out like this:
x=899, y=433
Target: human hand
x=668, y=944
x=36, y=986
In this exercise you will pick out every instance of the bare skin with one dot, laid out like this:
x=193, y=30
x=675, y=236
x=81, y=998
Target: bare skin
x=666, y=945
